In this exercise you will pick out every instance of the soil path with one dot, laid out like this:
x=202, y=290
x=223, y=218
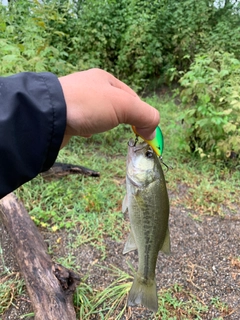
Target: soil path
x=203, y=260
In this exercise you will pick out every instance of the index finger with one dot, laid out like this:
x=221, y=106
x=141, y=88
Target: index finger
x=121, y=85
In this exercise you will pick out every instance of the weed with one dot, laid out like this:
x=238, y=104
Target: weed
x=11, y=287
x=27, y=315
x=110, y=303
x=178, y=303
x=219, y=305
x=83, y=299
x=69, y=262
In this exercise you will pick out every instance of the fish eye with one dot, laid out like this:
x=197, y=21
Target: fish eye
x=149, y=154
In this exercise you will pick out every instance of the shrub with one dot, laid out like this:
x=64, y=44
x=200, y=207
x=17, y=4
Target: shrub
x=210, y=95
x=141, y=42
x=25, y=41
x=140, y=57
x=100, y=27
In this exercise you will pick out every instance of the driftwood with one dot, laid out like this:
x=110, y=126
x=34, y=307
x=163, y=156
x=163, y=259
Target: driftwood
x=50, y=286
x=62, y=169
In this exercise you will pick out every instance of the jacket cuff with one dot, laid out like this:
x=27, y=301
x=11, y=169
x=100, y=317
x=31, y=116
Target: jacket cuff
x=57, y=116
x=32, y=126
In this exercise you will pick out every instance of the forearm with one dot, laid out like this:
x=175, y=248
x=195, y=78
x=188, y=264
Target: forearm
x=32, y=125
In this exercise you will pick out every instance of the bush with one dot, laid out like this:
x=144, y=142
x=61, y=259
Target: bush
x=141, y=42
x=140, y=57
x=25, y=41
x=100, y=27
x=210, y=95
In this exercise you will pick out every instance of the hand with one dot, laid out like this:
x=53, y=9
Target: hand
x=97, y=101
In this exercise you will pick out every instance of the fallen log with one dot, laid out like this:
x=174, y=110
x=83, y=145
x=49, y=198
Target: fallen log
x=50, y=285
x=62, y=169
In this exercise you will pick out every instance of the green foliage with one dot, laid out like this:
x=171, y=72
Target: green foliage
x=110, y=303
x=100, y=26
x=139, y=41
x=140, y=56
x=25, y=42
x=190, y=27
x=211, y=96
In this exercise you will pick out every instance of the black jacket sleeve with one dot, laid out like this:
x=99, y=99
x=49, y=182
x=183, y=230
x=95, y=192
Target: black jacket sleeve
x=32, y=125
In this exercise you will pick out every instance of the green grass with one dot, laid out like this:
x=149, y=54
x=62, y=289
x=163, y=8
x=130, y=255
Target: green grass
x=175, y=302
x=110, y=303
x=11, y=287
x=89, y=209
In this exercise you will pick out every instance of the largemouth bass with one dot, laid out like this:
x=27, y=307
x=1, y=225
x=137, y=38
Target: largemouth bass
x=148, y=206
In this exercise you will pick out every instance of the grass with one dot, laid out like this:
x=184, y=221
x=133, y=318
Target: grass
x=110, y=303
x=88, y=210
x=83, y=299
x=175, y=302
x=11, y=286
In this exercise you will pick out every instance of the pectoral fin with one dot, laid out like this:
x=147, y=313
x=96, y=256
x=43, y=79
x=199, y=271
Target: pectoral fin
x=130, y=245
x=166, y=247
x=125, y=204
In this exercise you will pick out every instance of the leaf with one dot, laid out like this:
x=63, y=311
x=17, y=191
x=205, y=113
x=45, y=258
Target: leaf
x=229, y=127
x=226, y=112
x=223, y=73
x=202, y=122
x=235, y=104
x=59, y=33
x=190, y=112
x=41, y=24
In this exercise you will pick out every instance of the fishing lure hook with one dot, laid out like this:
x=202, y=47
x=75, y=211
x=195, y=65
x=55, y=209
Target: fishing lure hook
x=135, y=142
x=168, y=167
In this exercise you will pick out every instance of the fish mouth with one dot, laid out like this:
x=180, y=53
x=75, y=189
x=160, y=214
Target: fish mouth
x=148, y=151
x=140, y=146
x=136, y=146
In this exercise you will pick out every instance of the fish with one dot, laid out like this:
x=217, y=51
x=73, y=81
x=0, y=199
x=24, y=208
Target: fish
x=147, y=204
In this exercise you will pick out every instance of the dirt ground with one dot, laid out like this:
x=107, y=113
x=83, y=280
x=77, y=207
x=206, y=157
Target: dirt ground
x=203, y=261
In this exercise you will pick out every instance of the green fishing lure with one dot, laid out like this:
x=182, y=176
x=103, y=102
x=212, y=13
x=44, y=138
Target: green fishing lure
x=157, y=143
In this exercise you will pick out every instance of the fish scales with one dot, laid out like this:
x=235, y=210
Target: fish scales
x=148, y=207
x=144, y=225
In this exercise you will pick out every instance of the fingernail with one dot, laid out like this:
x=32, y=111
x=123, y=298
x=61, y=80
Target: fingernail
x=145, y=134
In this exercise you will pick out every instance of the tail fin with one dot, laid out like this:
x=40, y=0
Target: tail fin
x=144, y=293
